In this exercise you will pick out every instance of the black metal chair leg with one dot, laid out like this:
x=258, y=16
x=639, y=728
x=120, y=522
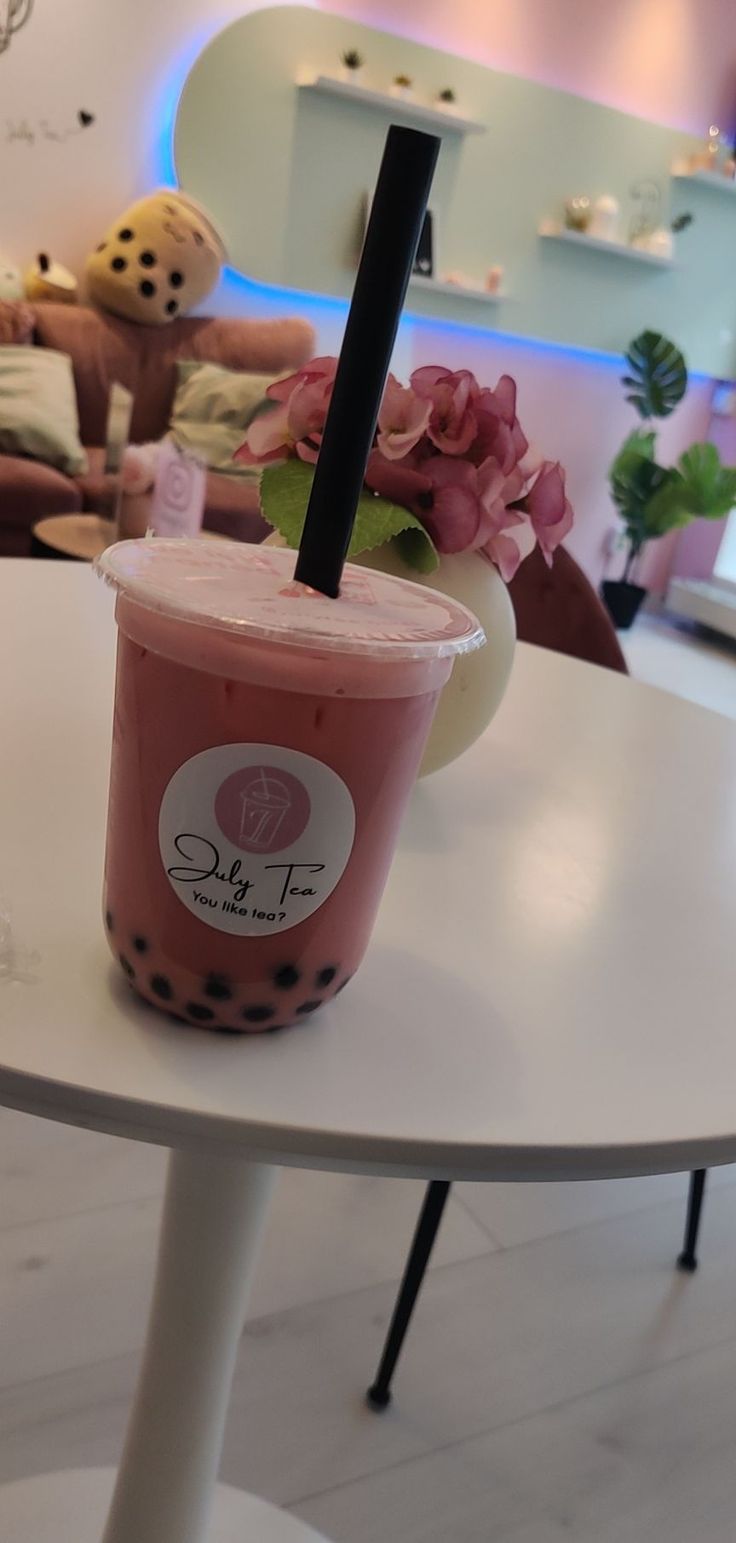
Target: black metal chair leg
x=379, y=1394
x=688, y=1258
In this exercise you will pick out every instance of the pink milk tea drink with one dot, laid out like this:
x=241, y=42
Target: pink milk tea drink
x=265, y=743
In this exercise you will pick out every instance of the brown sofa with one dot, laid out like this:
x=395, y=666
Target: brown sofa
x=104, y=349
x=555, y=608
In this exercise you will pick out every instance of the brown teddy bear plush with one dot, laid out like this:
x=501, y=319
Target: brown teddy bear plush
x=16, y=323
x=160, y=258
x=11, y=283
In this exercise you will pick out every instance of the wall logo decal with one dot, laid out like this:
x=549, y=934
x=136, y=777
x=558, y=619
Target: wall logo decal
x=13, y=15
x=26, y=131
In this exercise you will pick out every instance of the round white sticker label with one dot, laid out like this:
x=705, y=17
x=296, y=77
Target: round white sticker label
x=253, y=838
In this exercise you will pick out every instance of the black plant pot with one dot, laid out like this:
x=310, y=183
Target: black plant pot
x=622, y=601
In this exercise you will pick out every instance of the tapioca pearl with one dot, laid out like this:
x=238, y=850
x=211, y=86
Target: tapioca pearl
x=161, y=987
x=218, y=987
x=118, y=264
x=326, y=976
x=176, y=279
x=147, y=288
x=258, y=1014
x=286, y=977
x=109, y=921
x=147, y=259
x=308, y=1007
x=126, y=234
x=140, y=943
x=199, y=1012
x=127, y=966
x=172, y=307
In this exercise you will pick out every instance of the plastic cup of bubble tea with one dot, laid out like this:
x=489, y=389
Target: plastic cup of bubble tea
x=265, y=742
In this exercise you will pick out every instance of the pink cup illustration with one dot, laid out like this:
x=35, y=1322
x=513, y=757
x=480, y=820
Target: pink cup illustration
x=265, y=803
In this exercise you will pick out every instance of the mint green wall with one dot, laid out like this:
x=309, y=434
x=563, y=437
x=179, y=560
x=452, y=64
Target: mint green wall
x=284, y=173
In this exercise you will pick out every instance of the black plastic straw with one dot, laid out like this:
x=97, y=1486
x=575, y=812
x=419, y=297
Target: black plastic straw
x=394, y=227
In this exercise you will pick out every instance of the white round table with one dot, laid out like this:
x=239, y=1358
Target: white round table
x=549, y=994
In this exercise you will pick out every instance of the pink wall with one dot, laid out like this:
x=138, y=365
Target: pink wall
x=671, y=61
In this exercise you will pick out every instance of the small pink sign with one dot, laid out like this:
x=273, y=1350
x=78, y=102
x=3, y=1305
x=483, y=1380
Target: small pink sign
x=177, y=506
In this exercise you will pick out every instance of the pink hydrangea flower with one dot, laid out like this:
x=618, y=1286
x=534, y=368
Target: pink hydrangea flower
x=448, y=449
x=452, y=423
x=549, y=508
x=401, y=482
x=453, y=512
x=267, y=438
x=467, y=505
x=402, y=420
x=499, y=431
x=508, y=548
x=295, y=424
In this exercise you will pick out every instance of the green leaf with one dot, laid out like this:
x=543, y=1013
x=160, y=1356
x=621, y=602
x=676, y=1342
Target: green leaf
x=285, y=493
x=417, y=549
x=658, y=378
x=633, y=484
x=667, y=509
x=700, y=487
x=639, y=445
x=711, y=486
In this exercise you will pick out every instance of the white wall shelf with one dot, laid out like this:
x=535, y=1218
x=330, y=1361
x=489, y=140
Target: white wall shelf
x=443, y=120
x=708, y=179
x=461, y=291
x=597, y=244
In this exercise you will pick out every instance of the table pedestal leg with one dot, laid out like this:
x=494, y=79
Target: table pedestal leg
x=213, y=1214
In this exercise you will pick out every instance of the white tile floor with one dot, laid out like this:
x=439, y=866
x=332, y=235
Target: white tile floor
x=560, y=1380
x=679, y=657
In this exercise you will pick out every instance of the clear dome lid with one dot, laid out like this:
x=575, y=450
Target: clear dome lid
x=250, y=591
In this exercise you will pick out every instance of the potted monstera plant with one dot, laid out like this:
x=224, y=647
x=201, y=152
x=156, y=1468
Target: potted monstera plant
x=652, y=499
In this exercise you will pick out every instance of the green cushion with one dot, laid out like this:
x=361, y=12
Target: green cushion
x=211, y=411
x=38, y=408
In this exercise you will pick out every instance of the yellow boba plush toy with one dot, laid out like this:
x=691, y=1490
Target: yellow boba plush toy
x=49, y=280
x=160, y=258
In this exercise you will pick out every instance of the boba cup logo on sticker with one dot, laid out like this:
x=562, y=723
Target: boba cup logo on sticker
x=262, y=809
x=254, y=838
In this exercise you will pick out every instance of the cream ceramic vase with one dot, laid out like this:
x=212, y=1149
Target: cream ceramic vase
x=476, y=687
x=478, y=681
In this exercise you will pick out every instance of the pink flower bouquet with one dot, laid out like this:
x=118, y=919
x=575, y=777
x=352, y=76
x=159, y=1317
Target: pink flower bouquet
x=450, y=469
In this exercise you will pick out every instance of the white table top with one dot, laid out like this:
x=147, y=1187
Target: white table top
x=551, y=987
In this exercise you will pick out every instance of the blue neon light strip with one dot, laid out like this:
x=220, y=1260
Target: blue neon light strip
x=233, y=280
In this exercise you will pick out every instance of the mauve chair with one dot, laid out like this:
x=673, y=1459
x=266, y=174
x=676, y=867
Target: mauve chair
x=555, y=608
